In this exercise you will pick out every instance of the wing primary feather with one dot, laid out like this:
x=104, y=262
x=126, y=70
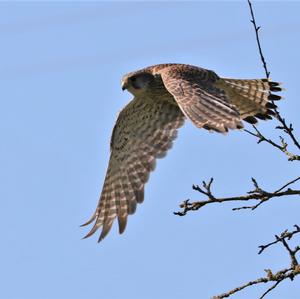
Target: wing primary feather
x=122, y=221
x=274, y=97
x=93, y=230
x=131, y=200
x=91, y=219
x=106, y=228
x=250, y=119
x=122, y=210
x=139, y=195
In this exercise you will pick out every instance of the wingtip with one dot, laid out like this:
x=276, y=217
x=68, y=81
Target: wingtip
x=90, y=220
x=87, y=236
x=270, y=105
x=84, y=224
x=105, y=230
x=274, y=86
x=122, y=220
x=251, y=120
x=101, y=237
x=274, y=97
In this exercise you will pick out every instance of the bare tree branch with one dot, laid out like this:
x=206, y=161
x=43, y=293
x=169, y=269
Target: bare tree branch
x=257, y=194
x=279, y=276
x=286, y=128
x=260, y=195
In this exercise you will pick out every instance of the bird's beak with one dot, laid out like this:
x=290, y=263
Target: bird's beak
x=124, y=85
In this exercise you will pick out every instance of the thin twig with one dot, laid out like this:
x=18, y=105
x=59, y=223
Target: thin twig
x=256, y=29
x=282, y=147
x=288, y=129
x=270, y=289
x=287, y=184
x=284, y=235
x=261, y=195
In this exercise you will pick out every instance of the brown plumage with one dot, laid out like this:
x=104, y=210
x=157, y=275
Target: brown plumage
x=164, y=96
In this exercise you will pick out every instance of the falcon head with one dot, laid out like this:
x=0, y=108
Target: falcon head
x=137, y=82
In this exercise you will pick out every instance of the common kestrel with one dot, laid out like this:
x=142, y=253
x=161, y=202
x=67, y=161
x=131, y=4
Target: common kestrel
x=164, y=96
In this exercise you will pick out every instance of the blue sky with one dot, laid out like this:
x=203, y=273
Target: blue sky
x=61, y=65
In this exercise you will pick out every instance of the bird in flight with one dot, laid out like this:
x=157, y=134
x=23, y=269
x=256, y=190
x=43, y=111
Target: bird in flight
x=165, y=95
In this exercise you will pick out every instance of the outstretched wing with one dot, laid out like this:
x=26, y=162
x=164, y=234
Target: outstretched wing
x=206, y=105
x=144, y=131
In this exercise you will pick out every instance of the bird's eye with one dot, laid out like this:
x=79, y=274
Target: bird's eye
x=140, y=81
x=136, y=82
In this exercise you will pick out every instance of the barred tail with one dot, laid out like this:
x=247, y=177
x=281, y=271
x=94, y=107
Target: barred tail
x=253, y=98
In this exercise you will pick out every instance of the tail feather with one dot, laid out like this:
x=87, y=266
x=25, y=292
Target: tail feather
x=253, y=98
